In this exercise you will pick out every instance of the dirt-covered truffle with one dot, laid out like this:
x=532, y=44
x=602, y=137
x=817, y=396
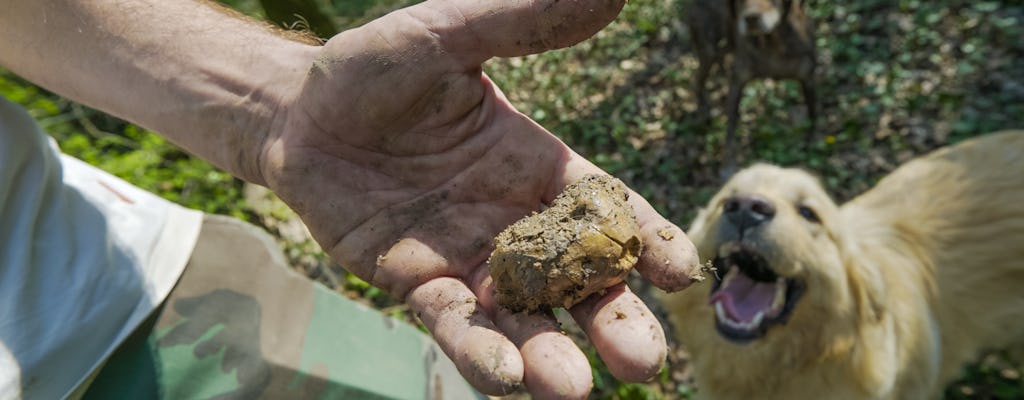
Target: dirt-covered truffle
x=585, y=242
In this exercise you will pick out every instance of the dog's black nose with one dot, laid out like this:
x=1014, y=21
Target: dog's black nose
x=747, y=211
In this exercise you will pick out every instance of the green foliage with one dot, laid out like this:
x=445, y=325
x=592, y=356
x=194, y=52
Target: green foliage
x=995, y=377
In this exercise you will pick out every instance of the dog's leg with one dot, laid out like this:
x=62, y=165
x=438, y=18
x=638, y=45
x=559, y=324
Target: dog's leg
x=810, y=97
x=732, y=106
x=700, y=88
x=706, y=60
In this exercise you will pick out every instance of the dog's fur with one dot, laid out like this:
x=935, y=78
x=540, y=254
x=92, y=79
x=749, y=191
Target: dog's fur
x=767, y=38
x=896, y=290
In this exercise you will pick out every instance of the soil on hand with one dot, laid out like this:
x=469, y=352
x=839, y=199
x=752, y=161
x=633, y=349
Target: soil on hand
x=586, y=241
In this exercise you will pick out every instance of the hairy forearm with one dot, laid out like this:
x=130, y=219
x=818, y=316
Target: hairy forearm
x=210, y=81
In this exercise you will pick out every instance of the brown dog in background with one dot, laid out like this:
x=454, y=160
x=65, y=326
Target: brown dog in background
x=767, y=39
x=884, y=297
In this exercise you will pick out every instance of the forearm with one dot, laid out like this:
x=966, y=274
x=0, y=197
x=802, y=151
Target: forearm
x=209, y=81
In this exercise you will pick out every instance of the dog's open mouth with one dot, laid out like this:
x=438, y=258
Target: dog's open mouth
x=748, y=297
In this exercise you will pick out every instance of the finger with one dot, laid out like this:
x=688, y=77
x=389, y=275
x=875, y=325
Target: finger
x=486, y=358
x=407, y=264
x=669, y=259
x=625, y=333
x=439, y=241
x=475, y=30
x=554, y=367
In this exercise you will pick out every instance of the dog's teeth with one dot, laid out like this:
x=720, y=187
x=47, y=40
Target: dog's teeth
x=720, y=313
x=776, y=304
x=729, y=276
x=780, y=295
x=740, y=325
x=725, y=320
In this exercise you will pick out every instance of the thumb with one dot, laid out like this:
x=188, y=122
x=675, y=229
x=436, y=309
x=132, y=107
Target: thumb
x=473, y=31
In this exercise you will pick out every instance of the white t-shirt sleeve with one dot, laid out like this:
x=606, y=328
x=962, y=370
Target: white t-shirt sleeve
x=84, y=258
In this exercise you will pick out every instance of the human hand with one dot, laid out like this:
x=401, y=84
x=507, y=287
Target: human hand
x=405, y=161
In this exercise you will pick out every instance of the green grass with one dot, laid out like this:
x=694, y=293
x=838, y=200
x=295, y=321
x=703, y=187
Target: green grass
x=898, y=78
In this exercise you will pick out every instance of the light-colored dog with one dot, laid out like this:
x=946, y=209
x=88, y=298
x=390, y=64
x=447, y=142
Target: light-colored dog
x=885, y=297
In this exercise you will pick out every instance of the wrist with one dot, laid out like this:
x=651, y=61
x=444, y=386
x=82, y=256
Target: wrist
x=264, y=110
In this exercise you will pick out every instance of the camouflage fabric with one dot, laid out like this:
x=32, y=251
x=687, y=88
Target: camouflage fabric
x=241, y=325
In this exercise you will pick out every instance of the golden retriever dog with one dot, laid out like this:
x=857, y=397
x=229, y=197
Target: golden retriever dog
x=885, y=297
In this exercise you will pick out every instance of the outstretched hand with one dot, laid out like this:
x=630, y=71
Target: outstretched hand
x=405, y=161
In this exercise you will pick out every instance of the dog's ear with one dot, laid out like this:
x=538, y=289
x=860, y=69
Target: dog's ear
x=867, y=285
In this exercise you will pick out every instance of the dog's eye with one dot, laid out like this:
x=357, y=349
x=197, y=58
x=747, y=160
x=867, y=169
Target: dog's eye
x=808, y=214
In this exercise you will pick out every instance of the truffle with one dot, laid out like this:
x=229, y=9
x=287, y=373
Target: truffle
x=586, y=241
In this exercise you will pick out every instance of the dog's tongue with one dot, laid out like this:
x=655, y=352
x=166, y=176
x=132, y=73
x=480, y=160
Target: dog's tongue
x=742, y=297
